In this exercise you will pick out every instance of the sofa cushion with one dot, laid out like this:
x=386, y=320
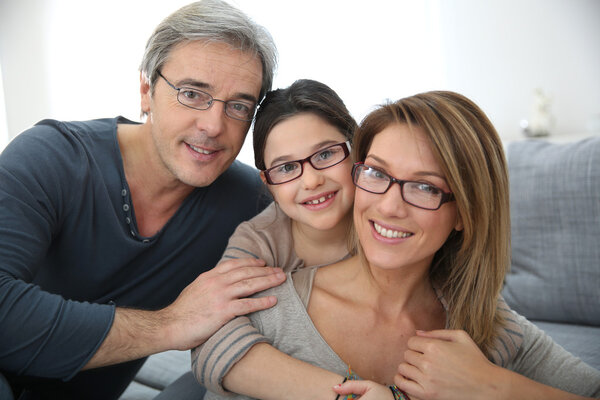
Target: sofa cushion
x=159, y=371
x=555, y=216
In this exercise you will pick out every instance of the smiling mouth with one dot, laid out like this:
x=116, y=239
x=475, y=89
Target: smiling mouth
x=390, y=233
x=200, y=150
x=320, y=200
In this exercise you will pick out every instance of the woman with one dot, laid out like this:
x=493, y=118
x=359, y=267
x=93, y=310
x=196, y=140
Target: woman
x=419, y=305
x=302, y=137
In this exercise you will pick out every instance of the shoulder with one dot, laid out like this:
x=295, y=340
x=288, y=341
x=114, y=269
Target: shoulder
x=240, y=187
x=509, y=334
x=266, y=236
x=52, y=138
x=242, y=175
x=287, y=300
x=270, y=219
x=55, y=152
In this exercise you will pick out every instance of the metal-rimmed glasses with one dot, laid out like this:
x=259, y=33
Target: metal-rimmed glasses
x=419, y=194
x=322, y=159
x=200, y=100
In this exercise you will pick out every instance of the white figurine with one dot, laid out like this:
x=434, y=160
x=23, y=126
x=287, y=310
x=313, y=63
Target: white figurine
x=541, y=121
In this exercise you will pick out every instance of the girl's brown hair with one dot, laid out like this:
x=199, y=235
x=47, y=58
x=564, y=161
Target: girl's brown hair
x=470, y=267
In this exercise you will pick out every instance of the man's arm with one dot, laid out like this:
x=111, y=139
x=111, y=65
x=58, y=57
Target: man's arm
x=214, y=298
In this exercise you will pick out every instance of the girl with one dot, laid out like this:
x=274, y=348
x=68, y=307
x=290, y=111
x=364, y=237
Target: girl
x=302, y=137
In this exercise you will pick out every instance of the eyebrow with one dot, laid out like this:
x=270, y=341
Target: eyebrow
x=417, y=173
x=205, y=86
x=315, y=148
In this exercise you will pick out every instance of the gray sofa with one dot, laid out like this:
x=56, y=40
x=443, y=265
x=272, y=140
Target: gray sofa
x=555, y=215
x=555, y=274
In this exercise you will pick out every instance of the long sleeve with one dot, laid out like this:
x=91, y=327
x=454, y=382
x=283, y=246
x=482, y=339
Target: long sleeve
x=268, y=237
x=42, y=334
x=544, y=361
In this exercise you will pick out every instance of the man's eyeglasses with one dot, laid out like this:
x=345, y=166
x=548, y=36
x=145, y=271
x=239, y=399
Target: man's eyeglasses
x=324, y=158
x=200, y=100
x=419, y=194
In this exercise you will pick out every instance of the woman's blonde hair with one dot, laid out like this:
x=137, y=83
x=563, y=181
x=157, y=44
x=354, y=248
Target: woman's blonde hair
x=470, y=267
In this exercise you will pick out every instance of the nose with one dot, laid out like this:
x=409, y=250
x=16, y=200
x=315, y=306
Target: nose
x=311, y=177
x=392, y=204
x=212, y=120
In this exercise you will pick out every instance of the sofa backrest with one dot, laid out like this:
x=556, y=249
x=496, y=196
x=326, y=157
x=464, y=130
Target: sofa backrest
x=555, y=217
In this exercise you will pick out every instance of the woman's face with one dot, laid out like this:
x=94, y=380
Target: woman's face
x=416, y=233
x=318, y=199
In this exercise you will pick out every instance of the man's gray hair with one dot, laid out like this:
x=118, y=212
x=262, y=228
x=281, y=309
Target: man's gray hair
x=211, y=21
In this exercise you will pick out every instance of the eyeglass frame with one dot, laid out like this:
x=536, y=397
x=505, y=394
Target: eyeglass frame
x=211, y=102
x=446, y=196
x=346, y=149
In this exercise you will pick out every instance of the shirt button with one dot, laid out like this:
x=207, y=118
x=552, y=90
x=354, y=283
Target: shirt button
x=128, y=220
x=125, y=207
x=124, y=192
x=146, y=241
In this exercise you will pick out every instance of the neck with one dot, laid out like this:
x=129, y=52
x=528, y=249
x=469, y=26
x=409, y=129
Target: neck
x=396, y=290
x=142, y=164
x=319, y=247
x=156, y=195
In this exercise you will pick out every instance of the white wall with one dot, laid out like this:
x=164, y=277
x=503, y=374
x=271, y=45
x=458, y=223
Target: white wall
x=498, y=51
x=70, y=59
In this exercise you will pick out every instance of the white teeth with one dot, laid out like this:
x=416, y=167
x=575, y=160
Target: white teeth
x=199, y=150
x=389, y=233
x=320, y=200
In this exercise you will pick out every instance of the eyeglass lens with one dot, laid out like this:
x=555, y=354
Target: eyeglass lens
x=200, y=100
x=419, y=194
x=325, y=158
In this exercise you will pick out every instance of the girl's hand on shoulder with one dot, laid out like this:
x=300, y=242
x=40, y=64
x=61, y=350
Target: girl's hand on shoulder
x=366, y=390
x=446, y=364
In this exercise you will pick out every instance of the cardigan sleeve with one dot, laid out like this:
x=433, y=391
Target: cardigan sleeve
x=212, y=360
x=543, y=360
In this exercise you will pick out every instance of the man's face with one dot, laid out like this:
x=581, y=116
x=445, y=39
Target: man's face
x=195, y=146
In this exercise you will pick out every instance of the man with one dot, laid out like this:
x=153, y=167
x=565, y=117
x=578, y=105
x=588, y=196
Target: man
x=103, y=221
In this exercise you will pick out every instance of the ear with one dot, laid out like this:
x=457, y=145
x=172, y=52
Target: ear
x=262, y=177
x=145, y=93
x=459, y=224
x=264, y=180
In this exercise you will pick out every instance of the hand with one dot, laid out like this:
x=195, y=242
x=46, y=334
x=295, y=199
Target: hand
x=365, y=389
x=444, y=365
x=217, y=296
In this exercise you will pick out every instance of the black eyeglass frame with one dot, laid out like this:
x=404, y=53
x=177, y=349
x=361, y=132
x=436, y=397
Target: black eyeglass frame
x=446, y=196
x=211, y=101
x=345, y=148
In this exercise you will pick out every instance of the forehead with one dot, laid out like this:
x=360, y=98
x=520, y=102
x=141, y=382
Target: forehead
x=299, y=136
x=402, y=147
x=218, y=66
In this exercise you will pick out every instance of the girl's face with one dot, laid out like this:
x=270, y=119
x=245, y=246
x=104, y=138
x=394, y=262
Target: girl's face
x=318, y=199
x=416, y=234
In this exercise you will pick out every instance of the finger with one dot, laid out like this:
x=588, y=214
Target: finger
x=351, y=387
x=420, y=343
x=249, y=286
x=412, y=388
x=414, y=358
x=228, y=265
x=442, y=334
x=410, y=372
x=247, y=306
x=244, y=273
